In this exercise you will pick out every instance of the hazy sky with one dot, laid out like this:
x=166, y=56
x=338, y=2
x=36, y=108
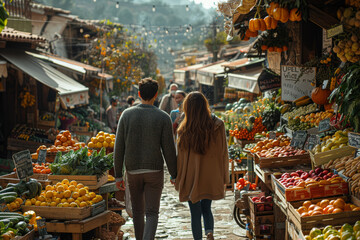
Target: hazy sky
x=207, y=3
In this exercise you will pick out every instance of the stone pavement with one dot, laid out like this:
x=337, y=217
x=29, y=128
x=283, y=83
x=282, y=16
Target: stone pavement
x=175, y=223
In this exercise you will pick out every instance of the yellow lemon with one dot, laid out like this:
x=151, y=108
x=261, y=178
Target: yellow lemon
x=53, y=204
x=108, y=139
x=49, y=194
x=58, y=200
x=111, y=144
x=49, y=200
x=72, y=188
x=73, y=204
x=100, y=133
x=83, y=204
x=19, y=200
x=80, y=199
x=64, y=200
x=86, y=197
x=75, y=195
x=99, y=145
x=70, y=200
x=92, y=195
x=66, y=204
x=77, y=202
x=43, y=204
x=82, y=191
x=80, y=185
x=73, y=182
x=101, y=139
x=106, y=135
x=57, y=184
x=67, y=193
x=112, y=136
x=33, y=200
x=37, y=203
x=66, y=187
x=99, y=197
x=28, y=203
x=65, y=181
x=91, y=145
x=87, y=189
x=60, y=188
x=41, y=198
x=60, y=205
x=60, y=195
x=105, y=144
x=49, y=187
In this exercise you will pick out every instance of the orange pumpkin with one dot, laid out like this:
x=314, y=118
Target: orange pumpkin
x=278, y=49
x=295, y=15
x=252, y=25
x=270, y=9
x=264, y=47
x=270, y=22
x=276, y=13
x=284, y=15
x=284, y=48
x=257, y=24
x=271, y=49
x=319, y=95
x=262, y=25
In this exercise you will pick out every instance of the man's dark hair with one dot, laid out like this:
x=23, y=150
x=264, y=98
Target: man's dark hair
x=112, y=99
x=130, y=100
x=148, y=88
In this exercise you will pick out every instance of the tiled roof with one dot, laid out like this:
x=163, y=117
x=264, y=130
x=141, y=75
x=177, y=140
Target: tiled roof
x=9, y=34
x=49, y=8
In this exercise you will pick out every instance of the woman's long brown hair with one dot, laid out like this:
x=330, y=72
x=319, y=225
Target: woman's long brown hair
x=195, y=130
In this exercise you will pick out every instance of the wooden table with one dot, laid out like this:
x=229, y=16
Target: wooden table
x=78, y=227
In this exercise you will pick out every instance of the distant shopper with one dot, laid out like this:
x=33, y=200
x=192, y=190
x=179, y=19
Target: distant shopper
x=130, y=100
x=111, y=113
x=168, y=101
x=176, y=114
x=143, y=140
x=203, y=164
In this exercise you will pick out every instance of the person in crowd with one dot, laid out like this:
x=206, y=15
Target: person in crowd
x=130, y=100
x=168, y=101
x=144, y=138
x=202, y=162
x=111, y=114
x=175, y=115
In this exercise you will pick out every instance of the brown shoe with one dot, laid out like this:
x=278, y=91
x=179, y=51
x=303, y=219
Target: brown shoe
x=210, y=236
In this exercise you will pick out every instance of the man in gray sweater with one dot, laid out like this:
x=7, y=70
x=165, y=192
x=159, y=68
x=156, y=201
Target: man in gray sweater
x=143, y=139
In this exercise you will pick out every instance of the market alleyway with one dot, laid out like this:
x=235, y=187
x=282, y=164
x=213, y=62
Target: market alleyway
x=174, y=220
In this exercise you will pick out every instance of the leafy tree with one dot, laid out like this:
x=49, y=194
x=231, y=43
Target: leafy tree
x=214, y=44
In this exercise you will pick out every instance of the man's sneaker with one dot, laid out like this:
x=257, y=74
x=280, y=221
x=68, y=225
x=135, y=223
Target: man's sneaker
x=210, y=236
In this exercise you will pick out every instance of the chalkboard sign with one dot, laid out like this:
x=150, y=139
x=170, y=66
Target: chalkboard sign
x=324, y=125
x=354, y=139
x=357, y=153
x=311, y=142
x=42, y=156
x=268, y=81
x=296, y=82
x=272, y=135
x=299, y=138
x=23, y=164
x=41, y=223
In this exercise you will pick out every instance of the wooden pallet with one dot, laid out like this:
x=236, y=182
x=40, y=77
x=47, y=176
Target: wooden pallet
x=324, y=157
x=77, y=228
x=276, y=162
x=93, y=182
x=307, y=223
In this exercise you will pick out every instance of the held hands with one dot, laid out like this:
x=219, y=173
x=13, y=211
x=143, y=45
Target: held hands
x=120, y=184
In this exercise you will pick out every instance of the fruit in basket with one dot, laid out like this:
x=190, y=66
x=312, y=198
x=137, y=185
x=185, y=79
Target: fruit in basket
x=102, y=139
x=270, y=143
x=338, y=140
x=285, y=151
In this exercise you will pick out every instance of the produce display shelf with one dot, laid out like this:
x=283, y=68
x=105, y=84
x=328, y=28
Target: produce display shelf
x=307, y=223
x=60, y=213
x=46, y=123
x=19, y=145
x=242, y=142
x=324, y=157
x=77, y=228
x=282, y=161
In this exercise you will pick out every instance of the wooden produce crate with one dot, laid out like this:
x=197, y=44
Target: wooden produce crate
x=98, y=208
x=93, y=182
x=291, y=195
x=242, y=143
x=60, y=213
x=307, y=223
x=78, y=129
x=259, y=221
x=283, y=161
x=13, y=178
x=18, y=145
x=49, y=124
x=29, y=236
x=254, y=207
x=324, y=157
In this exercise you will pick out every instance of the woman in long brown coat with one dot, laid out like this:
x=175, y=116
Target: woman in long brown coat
x=203, y=164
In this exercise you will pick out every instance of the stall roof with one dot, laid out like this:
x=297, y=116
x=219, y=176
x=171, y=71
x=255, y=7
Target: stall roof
x=207, y=74
x=71, y=92
x=244, y=62
x=215, y=68
x=9, y=34
x=246, y=80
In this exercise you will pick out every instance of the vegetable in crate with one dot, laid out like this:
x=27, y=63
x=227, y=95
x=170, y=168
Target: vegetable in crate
x=80, y=163
x=271, y=116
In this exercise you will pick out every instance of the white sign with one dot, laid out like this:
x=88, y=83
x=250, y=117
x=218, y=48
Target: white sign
x=326, y=42
x=293, y=87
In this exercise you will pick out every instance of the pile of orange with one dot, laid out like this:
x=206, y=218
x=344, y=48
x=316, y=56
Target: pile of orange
x=65, y=194
x=266, y=144
x=315, y=118
x=102, y=139
x=326, y=206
